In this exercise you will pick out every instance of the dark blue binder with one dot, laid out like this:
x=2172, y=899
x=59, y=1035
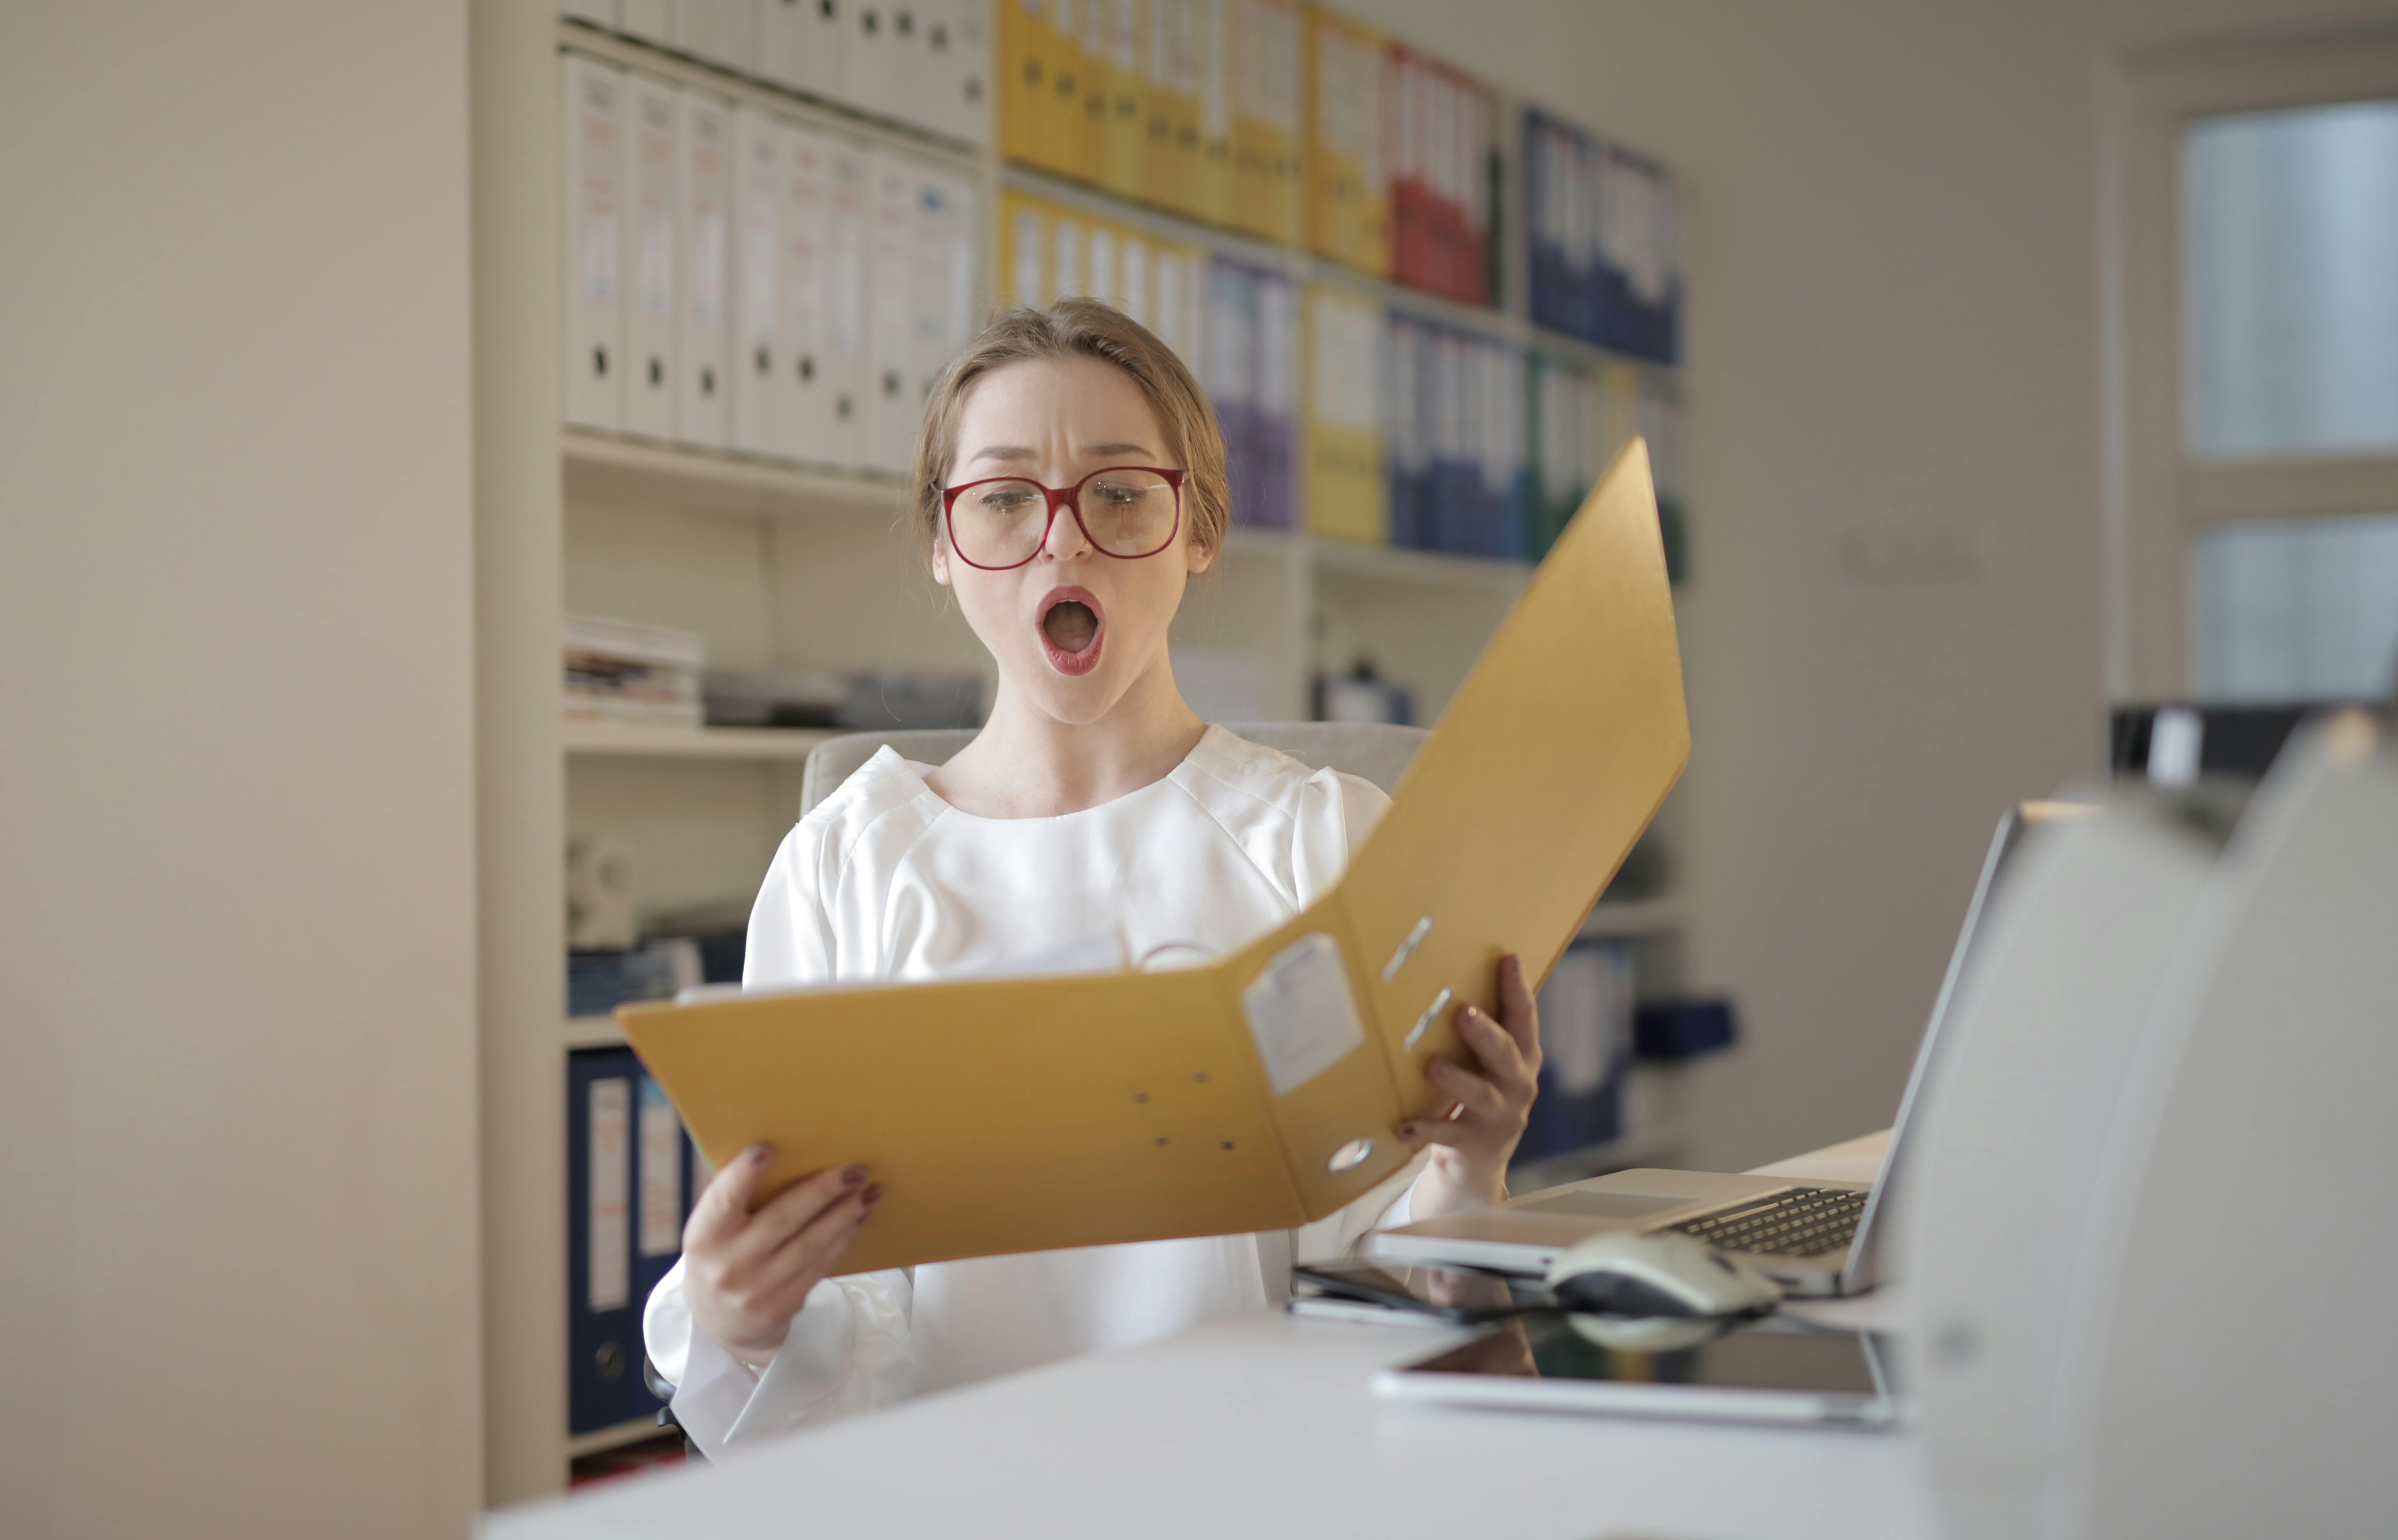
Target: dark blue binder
x=630, y=1169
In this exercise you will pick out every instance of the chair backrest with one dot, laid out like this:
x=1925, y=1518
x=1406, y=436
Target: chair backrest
x=1370, y=751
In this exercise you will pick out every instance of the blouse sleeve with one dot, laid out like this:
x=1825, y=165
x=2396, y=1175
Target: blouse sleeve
x=850, y=1349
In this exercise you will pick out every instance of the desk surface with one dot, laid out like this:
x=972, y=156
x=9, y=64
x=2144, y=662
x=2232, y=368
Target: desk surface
x=1268, y=1426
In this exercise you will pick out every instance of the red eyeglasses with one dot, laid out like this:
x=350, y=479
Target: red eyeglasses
x=1124, y=511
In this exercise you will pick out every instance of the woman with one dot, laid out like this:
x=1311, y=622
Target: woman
x=1070, y=482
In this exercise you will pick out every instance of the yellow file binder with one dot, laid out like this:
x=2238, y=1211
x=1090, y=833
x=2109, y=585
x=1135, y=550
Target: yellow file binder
x=1115, y=149
x=1267, y=43
x=1346, y=495
x=1259, y=1092
x=1348, y=197
x=1041, y=85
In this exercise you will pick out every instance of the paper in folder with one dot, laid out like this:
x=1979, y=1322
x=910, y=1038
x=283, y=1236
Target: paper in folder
x=1259, y=1092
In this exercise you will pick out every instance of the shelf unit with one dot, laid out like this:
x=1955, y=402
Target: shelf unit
x=714, y=743
x=783, y=565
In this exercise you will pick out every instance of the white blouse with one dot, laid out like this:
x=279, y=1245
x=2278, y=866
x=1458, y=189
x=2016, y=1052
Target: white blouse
x=884, y=880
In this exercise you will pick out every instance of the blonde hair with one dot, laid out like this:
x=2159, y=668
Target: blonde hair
x=1085, y=329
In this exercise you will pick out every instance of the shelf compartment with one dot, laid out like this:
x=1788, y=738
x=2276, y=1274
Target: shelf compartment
x=710, y=743
x=608, y=469
x=1624, y=918
x=592, y=1032
x=639, y=1430
x=1399, y=564
x=725, y=80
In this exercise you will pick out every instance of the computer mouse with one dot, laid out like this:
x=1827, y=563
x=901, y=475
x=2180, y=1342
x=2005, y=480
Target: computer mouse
x=1628, y=1275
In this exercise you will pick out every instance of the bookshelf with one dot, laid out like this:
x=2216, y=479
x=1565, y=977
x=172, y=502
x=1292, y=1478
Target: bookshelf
x=783, y=564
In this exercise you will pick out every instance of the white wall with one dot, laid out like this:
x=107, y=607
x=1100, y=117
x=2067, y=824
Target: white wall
x=237, y=885
x=1894, y=347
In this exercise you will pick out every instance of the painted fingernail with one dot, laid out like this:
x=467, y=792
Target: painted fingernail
x=760, y=1153
x=871, y=1197
x=852, y=1175
x=1407, y=1130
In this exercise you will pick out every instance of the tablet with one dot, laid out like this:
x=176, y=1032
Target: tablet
x=1774, y=1371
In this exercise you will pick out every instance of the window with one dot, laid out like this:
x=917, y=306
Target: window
x=2296, y=609
x=2254, y=513
x=2290, y=309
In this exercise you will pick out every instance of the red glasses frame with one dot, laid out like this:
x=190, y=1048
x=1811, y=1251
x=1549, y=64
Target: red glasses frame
x=1070, y=498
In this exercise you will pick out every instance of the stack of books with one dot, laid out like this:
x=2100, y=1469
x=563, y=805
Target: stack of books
x=623, y=672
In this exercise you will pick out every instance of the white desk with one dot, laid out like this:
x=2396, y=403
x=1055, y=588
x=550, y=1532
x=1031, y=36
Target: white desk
x=1266, y=1425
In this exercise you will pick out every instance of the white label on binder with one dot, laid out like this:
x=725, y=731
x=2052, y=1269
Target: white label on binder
x=1136, y=282
x=1068, y=254
x=1025, y=266
x=661, y=1232
x=610, y=1252
x=1102, y=278
x=1301, y=1014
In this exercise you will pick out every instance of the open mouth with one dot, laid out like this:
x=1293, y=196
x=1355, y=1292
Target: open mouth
x=1071, y=628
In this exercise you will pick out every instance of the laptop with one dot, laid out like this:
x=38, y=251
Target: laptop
x=1815, y=1238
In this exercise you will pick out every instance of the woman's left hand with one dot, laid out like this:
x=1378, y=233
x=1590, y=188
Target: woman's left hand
x=1487, y=1103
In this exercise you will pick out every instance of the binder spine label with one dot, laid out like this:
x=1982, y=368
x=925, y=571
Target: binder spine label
x=611, y=1282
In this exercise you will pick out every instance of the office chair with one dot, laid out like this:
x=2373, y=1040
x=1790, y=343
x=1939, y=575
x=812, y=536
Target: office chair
x=1376, y=752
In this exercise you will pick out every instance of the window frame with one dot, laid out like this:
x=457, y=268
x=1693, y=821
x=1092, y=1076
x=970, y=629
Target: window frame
x=2158, y=496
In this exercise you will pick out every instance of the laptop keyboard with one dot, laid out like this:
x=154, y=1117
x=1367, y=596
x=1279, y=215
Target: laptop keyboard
x=1803, y=1222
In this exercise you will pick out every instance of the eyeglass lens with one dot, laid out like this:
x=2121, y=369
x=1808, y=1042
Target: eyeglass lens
x=1127, y=512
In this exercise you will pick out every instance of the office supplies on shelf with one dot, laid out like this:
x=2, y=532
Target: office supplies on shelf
x=1262, y=1089
x=1810, y=1238
x=1361, y=694
x=648, y=273
x=1115, y=153
x=912, y=698
x=703, y=278
x=628, y=1187
x=778, y=697
x=1442, y=133
x=762, y=146
x=1345, y=495
x=1586, y=1010
x=1251, y=346
x=1265, y=82
x=1602, y=228
x=621, y=670
x=1561, y=417
x=958, y=43
x=593, y=329
x=1170, y=104
x=1453, y=417
x=599, y=981
x=1673, y=1030
x=601, y=913
x=1348, y=189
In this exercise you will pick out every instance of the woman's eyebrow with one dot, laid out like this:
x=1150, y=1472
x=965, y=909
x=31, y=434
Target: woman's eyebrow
x=1000, y=451
x=1115, y=448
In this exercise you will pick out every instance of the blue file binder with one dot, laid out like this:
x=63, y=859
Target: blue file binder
x=1587, y=1027
x=629, y=1183
x=1602, y=228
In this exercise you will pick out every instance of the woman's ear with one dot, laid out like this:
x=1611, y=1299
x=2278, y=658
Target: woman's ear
x=1197, y=556
x=941, y=561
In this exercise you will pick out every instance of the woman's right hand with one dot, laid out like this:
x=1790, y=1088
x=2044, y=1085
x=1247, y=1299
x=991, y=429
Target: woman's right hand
x=746, y=1271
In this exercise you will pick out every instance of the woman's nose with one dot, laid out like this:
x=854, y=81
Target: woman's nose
x=1066, y=537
